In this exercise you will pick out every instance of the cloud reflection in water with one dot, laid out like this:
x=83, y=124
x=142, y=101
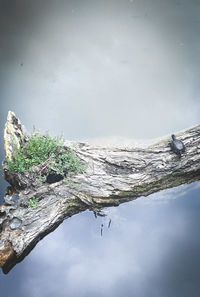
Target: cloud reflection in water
x=151, y=249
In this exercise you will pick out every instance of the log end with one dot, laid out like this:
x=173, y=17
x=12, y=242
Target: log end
x=7, y=256
x=13, y=135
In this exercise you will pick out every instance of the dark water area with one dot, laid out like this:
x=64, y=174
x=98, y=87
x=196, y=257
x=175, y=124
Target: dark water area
x=94, y=70
x=152, y=248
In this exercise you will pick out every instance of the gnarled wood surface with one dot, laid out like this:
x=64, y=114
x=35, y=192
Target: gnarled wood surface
x=113, y=176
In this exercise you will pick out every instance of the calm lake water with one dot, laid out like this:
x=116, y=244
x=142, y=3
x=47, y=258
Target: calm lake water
x=99, y=70
x=152, y=248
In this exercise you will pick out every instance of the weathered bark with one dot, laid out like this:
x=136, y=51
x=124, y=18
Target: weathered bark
x=113, y=176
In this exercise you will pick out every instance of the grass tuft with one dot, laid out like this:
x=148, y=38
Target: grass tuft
x=32, y=202
x=43, y=149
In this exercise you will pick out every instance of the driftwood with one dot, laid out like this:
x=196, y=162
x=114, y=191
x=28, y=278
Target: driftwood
x=113, y=176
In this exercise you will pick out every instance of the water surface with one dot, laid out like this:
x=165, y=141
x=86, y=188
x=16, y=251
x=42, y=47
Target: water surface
x=98, y=69
x=152, y=248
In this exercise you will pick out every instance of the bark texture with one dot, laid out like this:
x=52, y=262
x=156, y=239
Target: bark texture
x=113, y=176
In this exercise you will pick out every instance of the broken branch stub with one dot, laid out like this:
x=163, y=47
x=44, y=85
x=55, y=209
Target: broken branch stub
x=112, y=176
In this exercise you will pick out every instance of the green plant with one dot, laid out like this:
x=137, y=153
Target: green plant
x=38, y=149
x=48, y=151
x=32, y=202
x=41, y=179
x=66, y=162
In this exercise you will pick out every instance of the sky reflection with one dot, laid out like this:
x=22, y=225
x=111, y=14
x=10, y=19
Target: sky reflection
x=95, y=69
x=105, y=67
x=151, y=249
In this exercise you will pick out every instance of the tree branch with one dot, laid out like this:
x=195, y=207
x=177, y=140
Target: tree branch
x=113, y=176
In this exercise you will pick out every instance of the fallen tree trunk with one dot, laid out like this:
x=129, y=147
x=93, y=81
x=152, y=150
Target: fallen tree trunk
x=113, y=176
